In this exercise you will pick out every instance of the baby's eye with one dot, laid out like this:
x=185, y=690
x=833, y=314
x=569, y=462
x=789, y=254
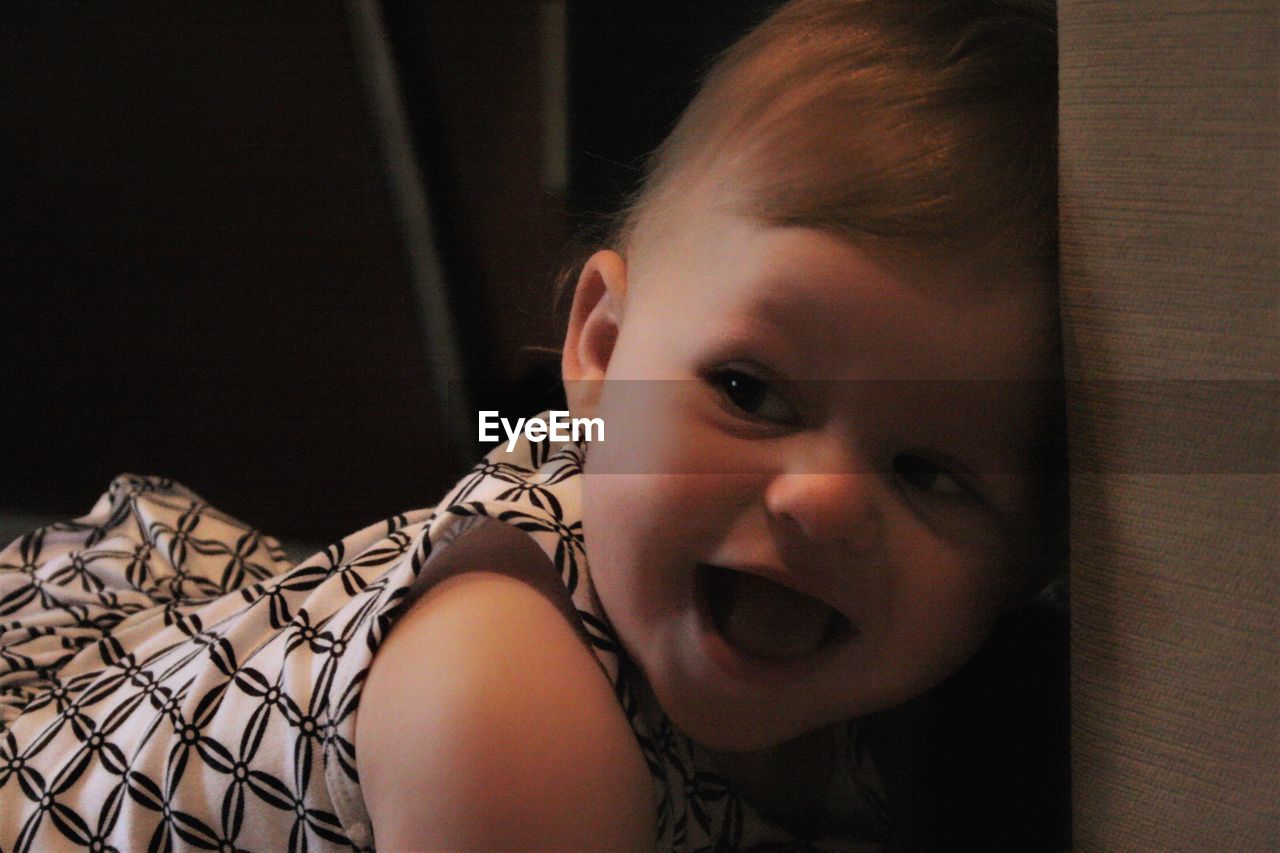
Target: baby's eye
x=753, y=395
x=928, y=476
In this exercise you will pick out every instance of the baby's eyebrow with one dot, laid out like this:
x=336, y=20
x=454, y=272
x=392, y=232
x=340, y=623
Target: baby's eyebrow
x=798, y=313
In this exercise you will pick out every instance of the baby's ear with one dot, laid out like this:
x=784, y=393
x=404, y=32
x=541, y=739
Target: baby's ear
x=593, y=328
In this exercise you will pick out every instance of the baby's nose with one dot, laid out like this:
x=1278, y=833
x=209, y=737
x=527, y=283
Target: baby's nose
x=831, y=508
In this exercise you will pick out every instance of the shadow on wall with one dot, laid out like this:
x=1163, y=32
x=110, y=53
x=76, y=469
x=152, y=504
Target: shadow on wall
x=204, y=278
x=203, y=275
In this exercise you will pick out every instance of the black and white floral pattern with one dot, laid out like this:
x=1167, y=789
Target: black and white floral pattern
x=169, y=680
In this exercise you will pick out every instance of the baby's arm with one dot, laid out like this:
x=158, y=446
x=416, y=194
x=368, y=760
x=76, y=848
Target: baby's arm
x=487, y=723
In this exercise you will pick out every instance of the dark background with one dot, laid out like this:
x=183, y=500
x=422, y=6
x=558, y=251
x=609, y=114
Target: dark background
x=201, y=274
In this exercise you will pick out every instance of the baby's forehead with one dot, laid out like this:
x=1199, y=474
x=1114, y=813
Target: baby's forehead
x=808, y=307
x=705, y=248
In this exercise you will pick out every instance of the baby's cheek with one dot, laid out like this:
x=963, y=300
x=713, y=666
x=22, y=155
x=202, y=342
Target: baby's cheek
x=944, y=605
x=605, y=539
x=623, y=535
x=604, y=521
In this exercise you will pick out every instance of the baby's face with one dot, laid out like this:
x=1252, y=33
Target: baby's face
x=815, y=494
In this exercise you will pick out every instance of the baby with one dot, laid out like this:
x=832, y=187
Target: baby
x=823, y=343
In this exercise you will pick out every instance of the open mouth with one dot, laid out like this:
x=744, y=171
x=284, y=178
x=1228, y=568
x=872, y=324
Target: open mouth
x=767, y=620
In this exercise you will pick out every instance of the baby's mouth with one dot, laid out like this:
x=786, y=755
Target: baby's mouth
x=767, y=620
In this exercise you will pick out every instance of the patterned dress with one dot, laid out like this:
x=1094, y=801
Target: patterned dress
x=169, y=680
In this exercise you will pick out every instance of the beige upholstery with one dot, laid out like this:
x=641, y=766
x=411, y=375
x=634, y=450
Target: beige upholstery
x=1169, y=202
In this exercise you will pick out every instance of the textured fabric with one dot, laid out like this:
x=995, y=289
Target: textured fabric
x=167, y=679
x=1169, y=192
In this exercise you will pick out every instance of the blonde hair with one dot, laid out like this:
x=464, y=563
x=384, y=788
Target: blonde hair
x=926, y=125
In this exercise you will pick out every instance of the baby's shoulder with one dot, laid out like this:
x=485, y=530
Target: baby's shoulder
x=486, y=720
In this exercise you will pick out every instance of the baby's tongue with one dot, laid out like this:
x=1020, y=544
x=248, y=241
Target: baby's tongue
x=767, y=619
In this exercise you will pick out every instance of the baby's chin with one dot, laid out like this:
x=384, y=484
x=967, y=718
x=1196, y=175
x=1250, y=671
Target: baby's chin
x=769, y=723
x=744, y=729
x=739, y=740
x=739, y=737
